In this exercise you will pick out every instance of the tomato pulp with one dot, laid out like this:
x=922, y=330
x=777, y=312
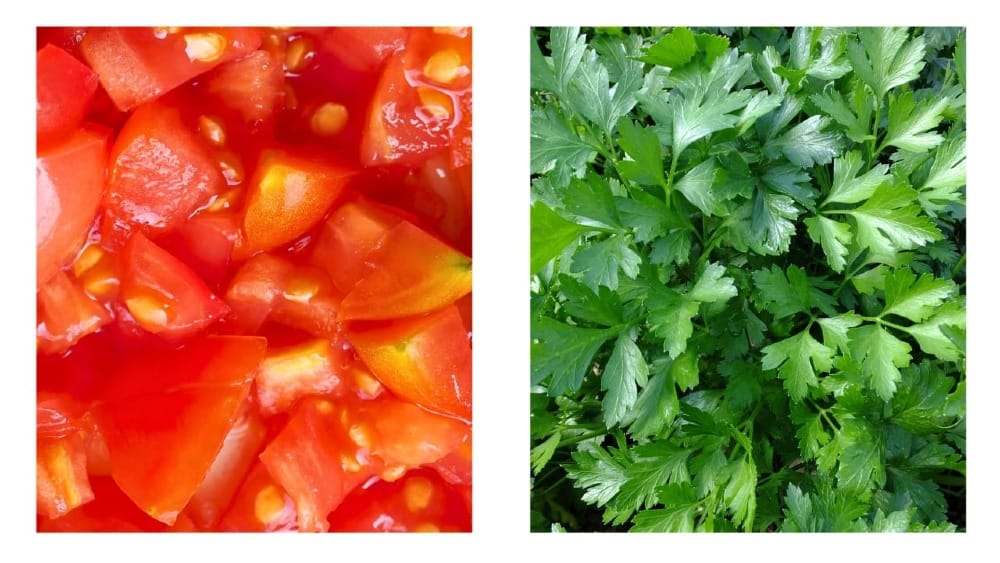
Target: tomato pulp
x=254, y=277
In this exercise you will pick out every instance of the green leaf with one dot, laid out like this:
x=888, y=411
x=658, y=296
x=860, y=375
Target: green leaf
x=671, y=249
x=915, y=298
x=696, y=186
x=770, y=225
x=600, y=262
x=603, y=307
x=740, y=494
x=625, y=371
x=890, y=221
x=909, y=122
x=654, y=464
x=932, y=335
x=646, y=214
x=673, y=50
x=835, y=330
x=563, y=353
x=643, y=147
x=884, y=59
x=682, y=505
x=712, y=286
x=568, y=47
x=670, y=315
x=555, y=149
x=542, y=453
x=834, y=237
x=807, y=144
x=856, y=126
x=920, y=405
x=656, y=407
x=596, y=471
x=591, y=198
x=550, y=234
x=862, y=466
x=684, y=371
x=785, y=296
x=848, y=187
x=881, y=355
x=796, y=356
x=946, y=177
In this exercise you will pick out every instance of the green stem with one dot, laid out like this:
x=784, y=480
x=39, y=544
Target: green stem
x=878, y=118
x=581, y=438
x=669, y=187
x=958, y=266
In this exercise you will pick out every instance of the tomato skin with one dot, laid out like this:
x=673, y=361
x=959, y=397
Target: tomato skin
x=137, y=65
x=353, y=230
x=251, y=86
x=410, y=273
x=64, y=88
x=165, y=416
x=315, y=460
x=66, y=314
x=70, y=180
x=160, y=173
x=419, y=502
x=288, y=195
x=364, y=48
x=163, y=294
x=425, y=359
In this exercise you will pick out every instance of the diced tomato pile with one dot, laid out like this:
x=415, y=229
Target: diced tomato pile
x=254, y=279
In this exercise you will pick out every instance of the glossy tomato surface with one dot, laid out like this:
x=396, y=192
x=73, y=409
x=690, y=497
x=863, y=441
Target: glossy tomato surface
x=254, y=279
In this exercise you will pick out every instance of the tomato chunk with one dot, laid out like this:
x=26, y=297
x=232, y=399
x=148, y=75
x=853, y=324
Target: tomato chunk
x=288, y=374
x=137, y=65
x=364, y=48
x=66, y=314
x=163, y=294
x=288, y=196
x=261, y=505
x=64, y=89
x=250, y=86
x=160, y=173
x=427, y=360
x=410, y=273
x=61, y=481
x=419, y=502
x=165, y=417
x=70, y=181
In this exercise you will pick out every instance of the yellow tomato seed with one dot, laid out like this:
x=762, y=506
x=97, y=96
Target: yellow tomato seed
x=329, y=119
x=204, y=47
x=212, y=130
x=417, y=492
x=443, y=66
x=268, y=504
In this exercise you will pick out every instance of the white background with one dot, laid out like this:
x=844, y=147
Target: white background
x=501, y=251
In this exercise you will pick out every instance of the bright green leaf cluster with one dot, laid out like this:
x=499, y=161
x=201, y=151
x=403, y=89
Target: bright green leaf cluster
x=748, y=279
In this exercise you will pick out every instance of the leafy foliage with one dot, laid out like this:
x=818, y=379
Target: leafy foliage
x=748, y=279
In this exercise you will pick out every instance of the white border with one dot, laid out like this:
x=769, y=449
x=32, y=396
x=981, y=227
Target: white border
x=501, y=359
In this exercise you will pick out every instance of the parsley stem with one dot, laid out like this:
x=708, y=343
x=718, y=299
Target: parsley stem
x=581, y=438
x=878, y=118
x=958, y=266
x=669, y=187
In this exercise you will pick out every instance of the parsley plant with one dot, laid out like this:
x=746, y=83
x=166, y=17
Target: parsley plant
x=748, y=279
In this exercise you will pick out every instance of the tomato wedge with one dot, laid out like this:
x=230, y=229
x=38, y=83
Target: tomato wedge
x=250, y=86
x=165, y=416
x=70, y=180
x=64, y=89
x=163, y=294
x=160, y=173
x=288, y=196
x=66, y=314
x=410, y=273
x=427, y=359
x=139, y=64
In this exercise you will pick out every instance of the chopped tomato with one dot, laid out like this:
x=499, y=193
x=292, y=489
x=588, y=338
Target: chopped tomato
x=419, y=502
x=286, y=375
x=64, y=88
x=288, y=196
x=70, y=180
x=365, y=48
x=165, y=417
x=410, y=273
x=163, y=294
x=415, y=108
x=253, y=278
x=137, y=65
x=426, y=359
x=316, y=460
x=238, y=453
x=160, y=173
x=353, y=230
x=250, y=86
x=261, y=505
x=66, y=314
